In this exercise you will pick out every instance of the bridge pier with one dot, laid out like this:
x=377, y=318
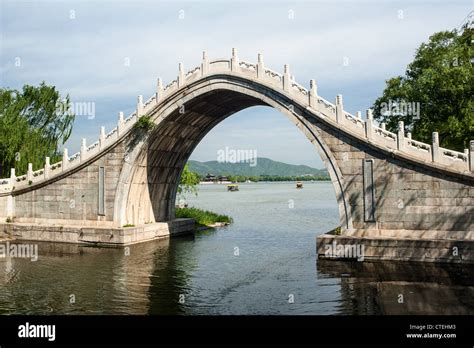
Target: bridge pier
x=395, y=246
x=97, y=235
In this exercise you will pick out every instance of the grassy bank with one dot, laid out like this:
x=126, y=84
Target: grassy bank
x=203, y=217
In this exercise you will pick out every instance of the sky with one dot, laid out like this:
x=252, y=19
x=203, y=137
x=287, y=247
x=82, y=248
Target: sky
x=104, y=54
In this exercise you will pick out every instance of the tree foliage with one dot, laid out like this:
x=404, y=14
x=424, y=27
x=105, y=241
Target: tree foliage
x=441, y=80
x=188, y=182
x=33, y=123
x=144, y=123
x=256, y=178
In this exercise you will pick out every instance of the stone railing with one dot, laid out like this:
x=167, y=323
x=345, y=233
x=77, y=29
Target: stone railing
x=378, y=135
x=417, y=149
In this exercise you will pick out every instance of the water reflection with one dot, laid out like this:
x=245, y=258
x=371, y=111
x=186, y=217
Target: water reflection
x=201, y=274
x=375, y=287
x=189, y=275
x=76, y=279
x=169, y=290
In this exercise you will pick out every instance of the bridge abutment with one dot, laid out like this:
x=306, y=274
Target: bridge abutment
x=67, y=232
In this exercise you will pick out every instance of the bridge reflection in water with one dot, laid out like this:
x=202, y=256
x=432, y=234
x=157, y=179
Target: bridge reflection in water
x=139, y=279
x=196, y=275
x=427, y=289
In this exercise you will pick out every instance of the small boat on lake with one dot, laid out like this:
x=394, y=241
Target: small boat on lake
x=232, y=187
x=299, y=185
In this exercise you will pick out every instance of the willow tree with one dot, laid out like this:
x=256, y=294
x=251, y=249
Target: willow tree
x=436, y=93
x=34, y=122
x=188, y=182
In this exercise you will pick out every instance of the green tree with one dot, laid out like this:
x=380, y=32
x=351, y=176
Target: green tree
x=33, y=123
x=188, y=182
x=441, y=80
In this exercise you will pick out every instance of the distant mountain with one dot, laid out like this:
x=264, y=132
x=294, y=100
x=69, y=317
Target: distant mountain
x=264, y=166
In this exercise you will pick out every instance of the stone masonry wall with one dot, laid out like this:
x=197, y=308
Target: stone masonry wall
x=76, y=196
x=407, y=196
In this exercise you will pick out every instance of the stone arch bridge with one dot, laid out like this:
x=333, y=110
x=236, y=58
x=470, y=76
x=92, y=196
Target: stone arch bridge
x=385, y=183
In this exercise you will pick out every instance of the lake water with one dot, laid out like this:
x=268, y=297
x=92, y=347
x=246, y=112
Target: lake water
x=264, y=263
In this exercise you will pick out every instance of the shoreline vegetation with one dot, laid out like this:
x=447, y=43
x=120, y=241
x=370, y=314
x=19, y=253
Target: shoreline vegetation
x=242, y=178
x=203, y=218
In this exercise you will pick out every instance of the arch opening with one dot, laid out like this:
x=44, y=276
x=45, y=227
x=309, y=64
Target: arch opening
x=149, y=194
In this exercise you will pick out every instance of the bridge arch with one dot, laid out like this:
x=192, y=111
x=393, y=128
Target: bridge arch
x=385, y=183
x=148, y=184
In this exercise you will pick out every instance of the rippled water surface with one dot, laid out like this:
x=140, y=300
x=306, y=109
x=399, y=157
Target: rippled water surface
x=254, y=266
